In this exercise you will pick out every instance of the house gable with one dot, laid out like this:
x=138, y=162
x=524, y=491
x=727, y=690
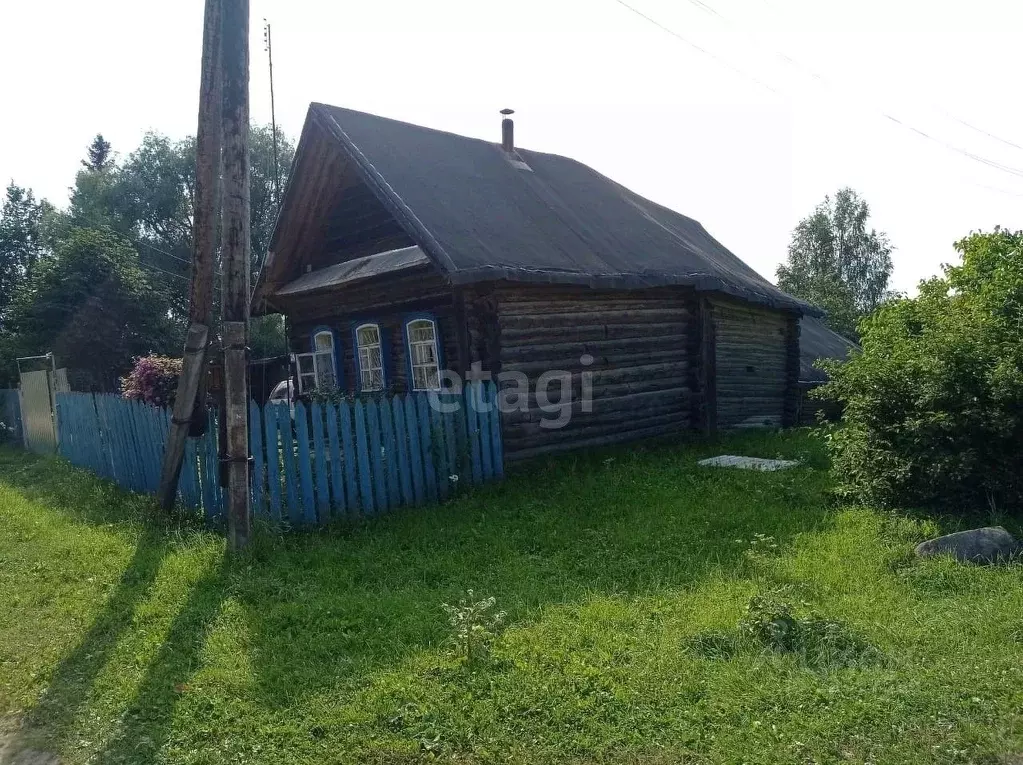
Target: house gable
x=329, y=216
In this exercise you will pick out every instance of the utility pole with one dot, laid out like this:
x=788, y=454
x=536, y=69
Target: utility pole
x=187, y=403
x=236, y=266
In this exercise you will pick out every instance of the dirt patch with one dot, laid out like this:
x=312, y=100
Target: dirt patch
x=14, y=752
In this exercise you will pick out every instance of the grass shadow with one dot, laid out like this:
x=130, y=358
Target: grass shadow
x=85, y=497
x=326, y=609
x=146, y=722
x=69, y=686
x=80, y=497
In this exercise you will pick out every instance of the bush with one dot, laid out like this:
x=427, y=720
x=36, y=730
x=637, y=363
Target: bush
x=153, y=379
x=934, y=403
x=771, y=624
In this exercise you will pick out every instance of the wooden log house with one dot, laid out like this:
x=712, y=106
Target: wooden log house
x=818, y=341
x=401, y=251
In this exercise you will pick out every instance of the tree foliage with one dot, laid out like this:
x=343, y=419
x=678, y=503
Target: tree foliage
x=21, y=242
x=117, y=286
x=99, y=155
x=835, y=262
x=149, y=198
x=934, y=403
x=94, y=308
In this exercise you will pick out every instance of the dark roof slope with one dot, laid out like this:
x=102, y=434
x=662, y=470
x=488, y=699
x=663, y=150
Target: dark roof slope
x=818, y=341
x=481, y=217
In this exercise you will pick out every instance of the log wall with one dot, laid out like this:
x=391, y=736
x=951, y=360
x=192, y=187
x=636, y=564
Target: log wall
x=664, y=360
x=752, y=365
x=639, y=342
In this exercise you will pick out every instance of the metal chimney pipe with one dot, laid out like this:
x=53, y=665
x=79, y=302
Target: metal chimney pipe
x=508, y=131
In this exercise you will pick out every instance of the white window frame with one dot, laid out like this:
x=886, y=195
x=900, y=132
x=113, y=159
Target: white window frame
x=363, y=355
x=415, y=349
x=322, y=367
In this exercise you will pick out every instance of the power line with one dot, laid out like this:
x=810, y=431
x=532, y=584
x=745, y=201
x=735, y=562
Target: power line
x=825, y=81
x=183, y=277
x=175, y=257
x=944, y=112
x=984, y=160
x=696, y=47
x=151, y=267
x=993, y=164
x=145, y=243
x=961, y=121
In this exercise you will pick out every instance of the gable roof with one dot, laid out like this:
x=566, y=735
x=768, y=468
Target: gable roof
x=818, y=341
x=479, y=216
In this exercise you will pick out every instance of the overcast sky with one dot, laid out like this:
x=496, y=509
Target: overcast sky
x=785, y=102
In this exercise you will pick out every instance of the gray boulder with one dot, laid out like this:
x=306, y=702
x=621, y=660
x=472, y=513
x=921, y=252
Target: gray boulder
x=986, y=545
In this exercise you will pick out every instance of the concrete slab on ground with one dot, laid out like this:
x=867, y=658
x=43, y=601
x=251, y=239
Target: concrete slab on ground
x=748, y=463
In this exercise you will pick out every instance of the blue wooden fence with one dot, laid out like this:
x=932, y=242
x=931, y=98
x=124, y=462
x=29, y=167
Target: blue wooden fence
x=10, y=417
x=320, y=462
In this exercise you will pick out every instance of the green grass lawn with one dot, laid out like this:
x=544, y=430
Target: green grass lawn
x=624, y=575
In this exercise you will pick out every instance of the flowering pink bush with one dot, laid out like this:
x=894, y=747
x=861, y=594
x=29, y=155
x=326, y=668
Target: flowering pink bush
x=154, y=379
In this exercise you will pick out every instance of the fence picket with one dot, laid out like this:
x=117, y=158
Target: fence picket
x=257, y=477
x=336, y=477
x=415, y=453
x=290, y=471
x=496, y=443
x=188, y=484
x=362, y=446
x=125, y=410
x=401, y=450
x=369, y=457
x=143, y=443
x=450, y=444
x=117, y=467
x=305, y=468
x=104, y=467
x=154, y=438
x=439, y=450
x=208, y=469
x=273, y=460
x=120, y=433
x=102, y=454
x=162, y=417
x=426, y=442
x=124, y=452
x=483, y=409
x=146, y=441
x=63, y=429
x=97, y=455
x=376, y=457
x=110, y=469
x=348, y=443
x=472, y=433
x=390, y=449
x=320, y=457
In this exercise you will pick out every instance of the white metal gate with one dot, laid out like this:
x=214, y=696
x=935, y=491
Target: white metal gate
x=38, y=410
